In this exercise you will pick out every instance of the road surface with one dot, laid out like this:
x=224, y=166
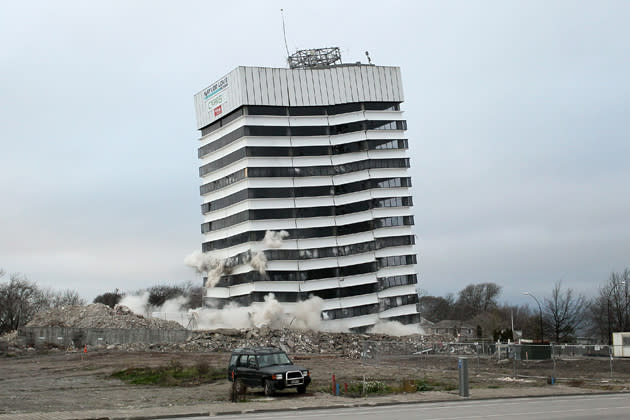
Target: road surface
x=600, y=407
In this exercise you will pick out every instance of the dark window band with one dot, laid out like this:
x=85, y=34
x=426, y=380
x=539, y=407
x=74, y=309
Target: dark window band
x=292, y=192
x=295, y=131
x=329, y=252
x=304, y=212
x=361, y=165
x=394, y=301
x=322, y=110
x=223, y=182
x=393, y=281
x=341, y=313
x=303, y=275
x=396, y=260
x=300, y=151
x=288, y=171
x=316, y=232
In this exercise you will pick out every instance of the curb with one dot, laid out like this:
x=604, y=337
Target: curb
x=330, y=407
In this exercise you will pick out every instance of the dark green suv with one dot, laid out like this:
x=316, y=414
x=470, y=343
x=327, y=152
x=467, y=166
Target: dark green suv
x=267, y=367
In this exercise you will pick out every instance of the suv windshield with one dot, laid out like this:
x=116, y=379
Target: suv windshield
x=273, y=359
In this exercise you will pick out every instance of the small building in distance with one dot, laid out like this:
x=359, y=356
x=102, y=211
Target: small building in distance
x=453, y=328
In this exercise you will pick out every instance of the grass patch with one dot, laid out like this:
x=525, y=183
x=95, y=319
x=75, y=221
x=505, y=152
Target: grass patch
x=430, y=384
x=173, y=374
x=371, y=386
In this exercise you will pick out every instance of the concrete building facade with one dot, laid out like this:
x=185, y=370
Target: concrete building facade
x=305, y=191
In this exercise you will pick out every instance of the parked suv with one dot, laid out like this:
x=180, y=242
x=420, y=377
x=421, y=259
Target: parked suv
x=267, y=367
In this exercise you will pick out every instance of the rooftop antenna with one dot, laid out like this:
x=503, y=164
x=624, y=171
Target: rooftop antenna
x=284, y=32
x=367, y=54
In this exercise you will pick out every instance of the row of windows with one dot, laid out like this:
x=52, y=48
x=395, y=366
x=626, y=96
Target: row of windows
x=337, y=251
x=350, y=312
x=305, y=212
x=329, y=150
x=292, y=192
x=248, y=151
x=322, y=110
x=394, y=301
x=304, y=275
x=304, y=233
x=307, y=171
x=340, y=251
x=326, y=252
x=335, y=293
x=393, y=281
x=300, y=111
x=395, y=241
x=342, y=148
x=361, y=165
x=298, y=131
x=339, y=313
x=396, y=260
x=223, y=182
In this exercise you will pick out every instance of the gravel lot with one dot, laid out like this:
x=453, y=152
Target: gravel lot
x=60, y=381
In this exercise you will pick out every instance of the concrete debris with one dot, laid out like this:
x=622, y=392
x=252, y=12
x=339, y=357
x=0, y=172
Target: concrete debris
x=98, y=315
x=349, y=345
x=301, y=341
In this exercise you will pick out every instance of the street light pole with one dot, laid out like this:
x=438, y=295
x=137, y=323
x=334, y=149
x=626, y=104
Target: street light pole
x=541, y=317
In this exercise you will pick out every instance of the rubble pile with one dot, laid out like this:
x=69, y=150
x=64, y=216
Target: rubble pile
x=300, y=341
x=350, y=345
x=97, y=315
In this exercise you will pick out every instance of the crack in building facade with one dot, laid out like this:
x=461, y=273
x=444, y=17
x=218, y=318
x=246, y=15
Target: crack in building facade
x=317, y=159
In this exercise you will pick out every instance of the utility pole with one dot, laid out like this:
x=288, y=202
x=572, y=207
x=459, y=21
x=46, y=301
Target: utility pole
x=541, y=317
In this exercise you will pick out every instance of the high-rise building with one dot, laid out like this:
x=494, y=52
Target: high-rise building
x=305, y=190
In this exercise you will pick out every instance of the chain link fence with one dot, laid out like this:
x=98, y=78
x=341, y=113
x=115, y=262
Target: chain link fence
x=561, y=362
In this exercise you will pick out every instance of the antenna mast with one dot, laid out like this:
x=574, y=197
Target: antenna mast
x=284, y=32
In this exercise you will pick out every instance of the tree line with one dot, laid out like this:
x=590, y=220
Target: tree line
x=21, y=299
x=158, y=295
x=561, y=316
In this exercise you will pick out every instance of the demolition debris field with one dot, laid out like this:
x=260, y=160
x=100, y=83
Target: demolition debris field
x=59, y=380
x=50, y=378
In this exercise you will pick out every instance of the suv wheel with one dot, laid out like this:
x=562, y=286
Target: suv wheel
x=240, y=387
x=269, y=388
x=301, y=389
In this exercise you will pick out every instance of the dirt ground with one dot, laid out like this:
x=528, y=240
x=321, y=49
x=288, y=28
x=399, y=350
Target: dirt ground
x=59, y=381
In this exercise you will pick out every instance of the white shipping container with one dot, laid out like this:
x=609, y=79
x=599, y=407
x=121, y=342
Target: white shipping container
x=621, y=344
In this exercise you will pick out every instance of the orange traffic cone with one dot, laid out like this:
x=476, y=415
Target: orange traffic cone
x=85, y=349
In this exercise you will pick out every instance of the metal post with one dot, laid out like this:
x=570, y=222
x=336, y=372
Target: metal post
x=462, y=365
x=542, y=336
x=610, y=351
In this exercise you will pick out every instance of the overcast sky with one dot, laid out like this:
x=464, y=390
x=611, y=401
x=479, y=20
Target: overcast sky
x=518, y=117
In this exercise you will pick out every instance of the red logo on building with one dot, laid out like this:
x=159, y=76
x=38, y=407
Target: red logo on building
x=217, y=110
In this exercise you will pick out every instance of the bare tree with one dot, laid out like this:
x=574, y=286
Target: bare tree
x=610, y=311
x=478, y=298
x=161, y=293
x=60, y=298
x=109, y=299
x=563, y=312
x=20, y=299
x=436, y=308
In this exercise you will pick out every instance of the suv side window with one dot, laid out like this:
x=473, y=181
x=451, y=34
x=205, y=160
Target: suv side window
x=242, y=361
x=251, y=361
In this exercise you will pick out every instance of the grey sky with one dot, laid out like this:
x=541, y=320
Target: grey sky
x=518, y=118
